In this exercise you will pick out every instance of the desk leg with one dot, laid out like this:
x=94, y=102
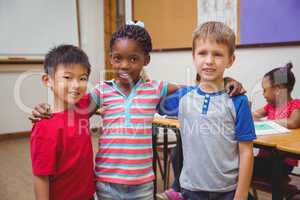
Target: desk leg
x=155, y=158
x=277, y=193
x=165, y=158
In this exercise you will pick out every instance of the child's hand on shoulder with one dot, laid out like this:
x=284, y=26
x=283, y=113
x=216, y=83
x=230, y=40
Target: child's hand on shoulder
x=41, y=111
x=233, y=87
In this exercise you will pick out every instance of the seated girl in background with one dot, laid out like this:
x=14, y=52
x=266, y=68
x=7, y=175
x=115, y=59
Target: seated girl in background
x=277, y=86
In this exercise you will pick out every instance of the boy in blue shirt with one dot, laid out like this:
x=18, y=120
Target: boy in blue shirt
x=216, y=130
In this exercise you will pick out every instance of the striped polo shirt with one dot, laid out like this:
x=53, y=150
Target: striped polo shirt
x=125, y=147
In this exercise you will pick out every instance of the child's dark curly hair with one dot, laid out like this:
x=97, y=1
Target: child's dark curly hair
x=136, y=33
x=282, y=76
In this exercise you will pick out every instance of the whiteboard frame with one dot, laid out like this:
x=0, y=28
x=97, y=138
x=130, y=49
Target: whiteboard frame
x=38, y=59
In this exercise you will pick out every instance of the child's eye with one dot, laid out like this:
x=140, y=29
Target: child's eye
x=83, y=78
x=67, y=77
x=117, y=59
x=133, y=59
x=201, y=53
x=218, y=54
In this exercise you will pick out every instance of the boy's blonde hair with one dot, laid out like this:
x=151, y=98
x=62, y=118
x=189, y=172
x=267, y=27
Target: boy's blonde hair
x=216, y=31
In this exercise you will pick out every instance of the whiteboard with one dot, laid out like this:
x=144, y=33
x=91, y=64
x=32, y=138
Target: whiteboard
x=32, y=27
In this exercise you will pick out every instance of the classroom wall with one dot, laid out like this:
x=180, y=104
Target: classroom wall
x=250, y=65
x=177, y=66
x=12, y=117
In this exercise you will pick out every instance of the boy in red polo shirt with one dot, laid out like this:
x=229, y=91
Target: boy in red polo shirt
x=61, y=147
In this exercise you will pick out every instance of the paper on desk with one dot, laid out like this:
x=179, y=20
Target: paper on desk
x=269, y=127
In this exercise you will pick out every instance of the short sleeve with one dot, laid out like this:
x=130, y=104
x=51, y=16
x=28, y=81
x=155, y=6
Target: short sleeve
x=164, y=88
x=244, y=126
x=43, y=147
x=169, y=105
x=161, y=87
x=295, y=104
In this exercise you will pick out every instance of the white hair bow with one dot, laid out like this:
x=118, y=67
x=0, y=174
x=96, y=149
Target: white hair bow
x=137, y=23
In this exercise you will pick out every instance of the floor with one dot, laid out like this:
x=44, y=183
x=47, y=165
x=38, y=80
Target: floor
x=15, y=171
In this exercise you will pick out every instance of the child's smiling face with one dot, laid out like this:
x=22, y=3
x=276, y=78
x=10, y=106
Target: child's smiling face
x=128, y=59
x=69, y=84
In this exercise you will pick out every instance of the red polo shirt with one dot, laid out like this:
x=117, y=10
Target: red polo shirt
x=61, y=148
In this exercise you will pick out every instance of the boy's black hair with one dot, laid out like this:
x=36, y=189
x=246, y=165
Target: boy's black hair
x=136, y=33
x=282, y=76
x=67, y=55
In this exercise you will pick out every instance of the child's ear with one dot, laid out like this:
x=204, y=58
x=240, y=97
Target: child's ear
x=231, y=61
x=147, y=60
x=47, y=80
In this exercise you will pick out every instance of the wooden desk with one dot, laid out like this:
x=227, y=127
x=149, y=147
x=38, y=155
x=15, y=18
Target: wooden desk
x=290, y=143
x=166, y=122
x=273, y=141
x=278, y=144
x=292, y=147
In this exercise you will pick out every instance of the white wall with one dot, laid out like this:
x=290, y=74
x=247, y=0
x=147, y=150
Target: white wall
x=12, y=117
x=92, y=32
x=250, y=65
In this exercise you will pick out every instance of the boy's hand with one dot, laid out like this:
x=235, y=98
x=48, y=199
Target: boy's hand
x=41, y=111
x=233, y=87
x=100, y=111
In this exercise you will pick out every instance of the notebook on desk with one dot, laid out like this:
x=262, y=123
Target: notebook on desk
x=269, y=127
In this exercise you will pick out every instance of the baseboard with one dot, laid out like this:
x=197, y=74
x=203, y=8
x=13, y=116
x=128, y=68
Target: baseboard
x=15, y=135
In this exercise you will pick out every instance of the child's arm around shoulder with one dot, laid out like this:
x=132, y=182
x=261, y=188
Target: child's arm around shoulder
x=169, y=104
x=172, y=88
x=232, y=87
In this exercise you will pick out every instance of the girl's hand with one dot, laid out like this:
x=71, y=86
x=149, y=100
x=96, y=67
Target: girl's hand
x=256, y=119
x=41, y=111
x=233, y=87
